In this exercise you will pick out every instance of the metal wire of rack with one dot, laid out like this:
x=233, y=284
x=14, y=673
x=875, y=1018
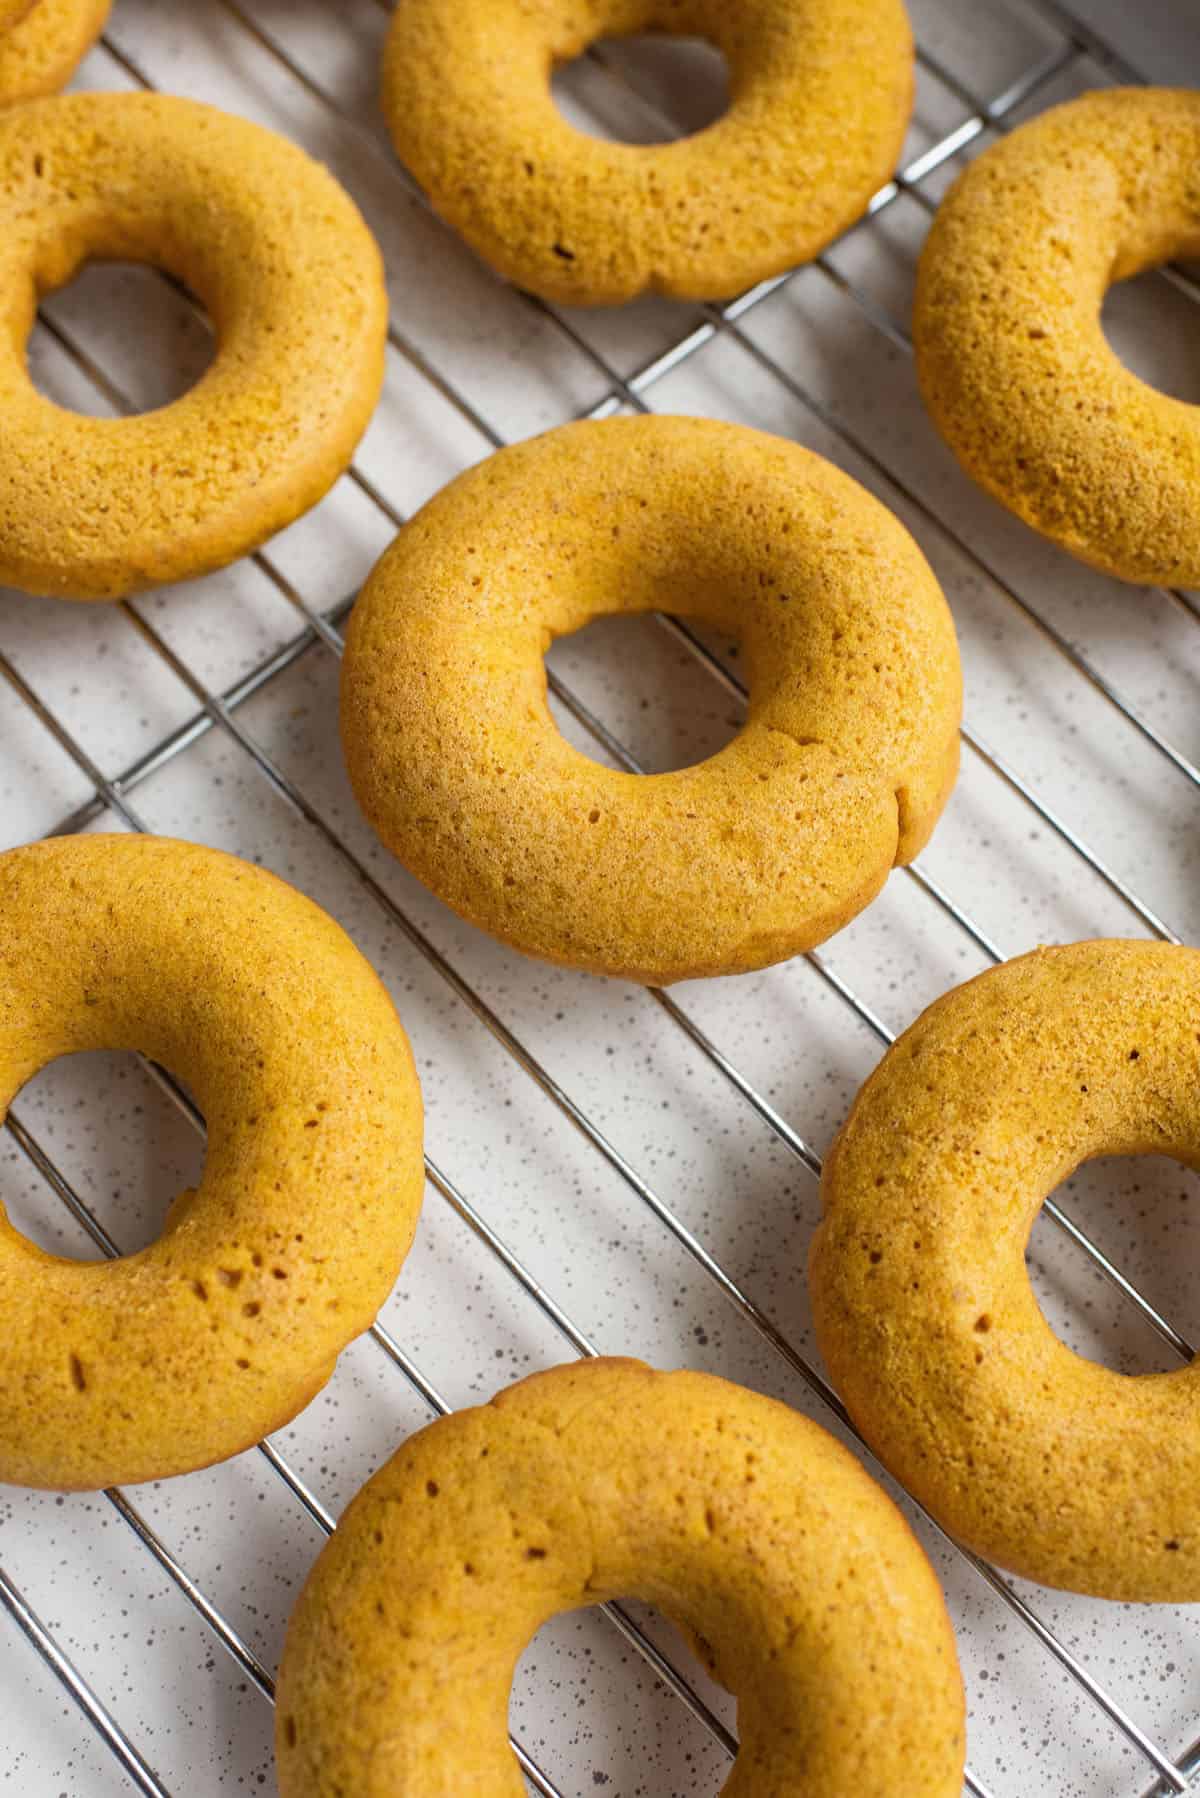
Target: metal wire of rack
x=220, y=712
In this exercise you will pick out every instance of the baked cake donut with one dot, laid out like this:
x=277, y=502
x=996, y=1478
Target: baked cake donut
x=41, y=51
x=820, y=96
x=13, y=11
x=794, y=1576
x=840, y=771
x=1013, y=362
x=226, y=1326
x=94, y=508
x=1061, y=1470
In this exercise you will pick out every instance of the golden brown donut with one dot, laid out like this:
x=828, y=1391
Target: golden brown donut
x=93, y=508
x=41, y=52
x=820, y=96
x=794, y=1576
x=846, y=758
x=1059, y=1469
x=1013, y=362
x=13, y=11
x=228, y=1324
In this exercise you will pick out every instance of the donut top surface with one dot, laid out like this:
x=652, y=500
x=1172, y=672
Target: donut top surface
x=1011, y=353
x=292, y=280
x=1063, y=1470
x=761, y=1536
x=39, y=54
x=13, y=11
x=820, y=95
x=222, y=1328
x=849, y=748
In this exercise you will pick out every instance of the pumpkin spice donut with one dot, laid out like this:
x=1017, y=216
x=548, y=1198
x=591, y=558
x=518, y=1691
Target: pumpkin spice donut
x=792, y=1573
x=846, y=758
x=95, y=508
x=42, y=50
x=820, y=97
x=227, y=1325
x=13, y=11
x=1060, y=1470
x=1012, y=358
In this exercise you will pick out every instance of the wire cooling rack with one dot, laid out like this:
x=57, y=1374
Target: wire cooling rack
x=609, y=1169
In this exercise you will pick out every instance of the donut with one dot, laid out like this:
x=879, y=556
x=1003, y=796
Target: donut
x=13, y=11
x=40, y=52
x=1011, y=356
x=1058, y=1469
x=96, y=508
x=793, y=1575
x=840, y=771
x=821, y=92
x=225, y=1327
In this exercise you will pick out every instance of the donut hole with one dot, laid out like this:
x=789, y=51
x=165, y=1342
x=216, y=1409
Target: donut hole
x=648, y=89
x=116, y=1137
x=137, y=325
x=578, y=1664
x=1150, y=325
x=1143, y=1211
x=648, y=688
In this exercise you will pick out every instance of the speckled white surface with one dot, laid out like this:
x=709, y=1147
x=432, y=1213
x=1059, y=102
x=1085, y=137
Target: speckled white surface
x=584, y=1706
